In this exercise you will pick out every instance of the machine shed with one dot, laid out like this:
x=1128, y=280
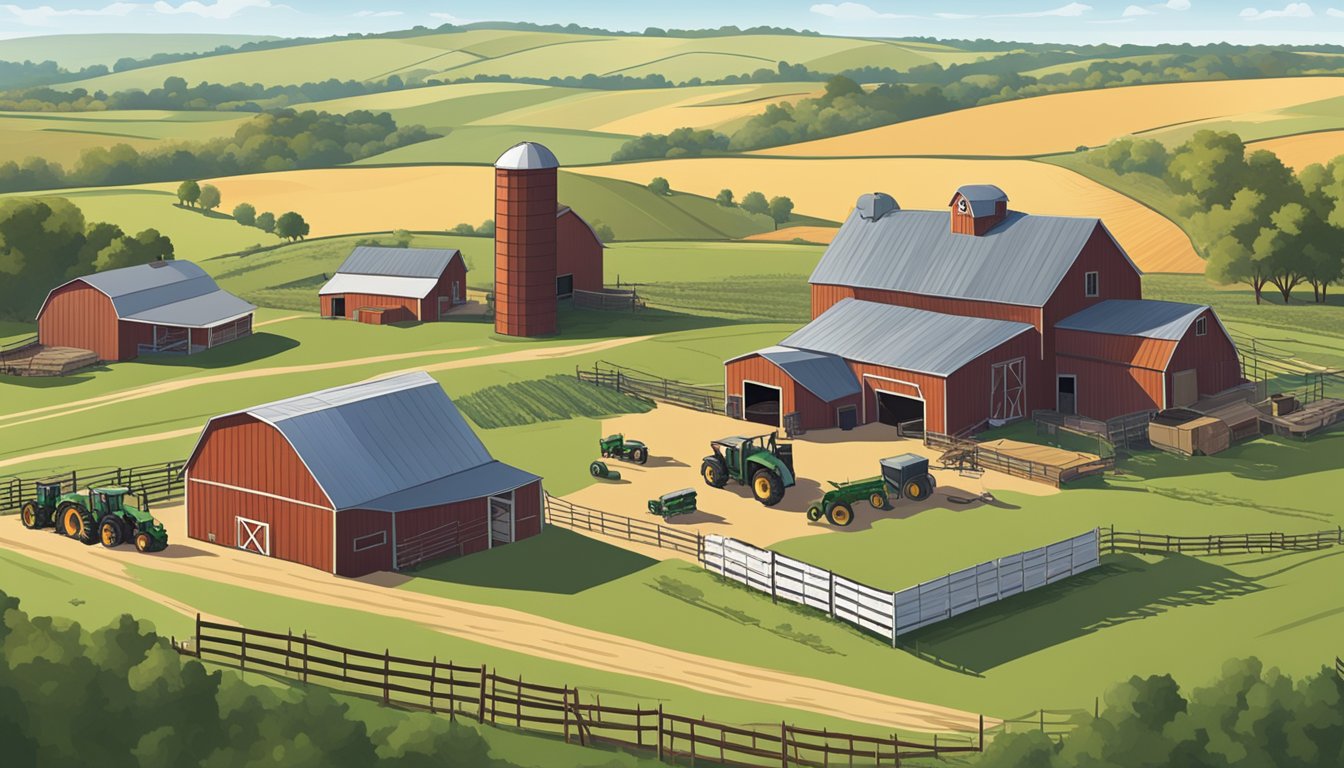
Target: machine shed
x=375, y=476
x=396, y=284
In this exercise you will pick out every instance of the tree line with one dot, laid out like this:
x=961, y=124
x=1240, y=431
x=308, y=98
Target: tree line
x=279, y=140
x=287, y=226
x=1249, y=717
x=120, y=695
x=779, y=208
x=1256, y=221
x=46, y=241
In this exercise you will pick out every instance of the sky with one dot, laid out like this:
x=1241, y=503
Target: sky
x=1063, y=21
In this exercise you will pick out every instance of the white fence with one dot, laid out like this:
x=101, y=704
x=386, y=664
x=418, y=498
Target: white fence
x=893, y=614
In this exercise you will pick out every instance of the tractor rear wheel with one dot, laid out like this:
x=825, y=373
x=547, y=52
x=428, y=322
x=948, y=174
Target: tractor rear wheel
x=767, y=487
x=714, y=473
x=33, y=517
x=918, y=489
x=110, y=532
x=815, y=512
x=839, y=514
x=78, y=523
x=879, y=500
x=640, y=455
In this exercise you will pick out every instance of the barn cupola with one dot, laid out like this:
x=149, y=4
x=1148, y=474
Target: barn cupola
x=875, y=205
x=978, y=208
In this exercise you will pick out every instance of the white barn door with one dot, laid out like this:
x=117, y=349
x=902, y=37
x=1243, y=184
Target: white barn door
x=1008, y=390
x=253, y=536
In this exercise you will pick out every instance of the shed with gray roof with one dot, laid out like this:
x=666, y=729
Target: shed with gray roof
x=163, y=306
x=386, y=285
x=371, y=476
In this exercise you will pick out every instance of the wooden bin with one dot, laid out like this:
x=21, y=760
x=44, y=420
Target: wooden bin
x=1201, y=435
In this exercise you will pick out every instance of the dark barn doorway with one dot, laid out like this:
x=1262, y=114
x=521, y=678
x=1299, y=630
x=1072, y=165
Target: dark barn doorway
x=894, y=410
x=1067, y=397
x=338, y=306
x=760, y=404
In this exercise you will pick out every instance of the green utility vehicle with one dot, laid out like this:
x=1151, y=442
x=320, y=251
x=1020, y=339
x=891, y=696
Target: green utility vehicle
x=617, y=447
x=113, y=516
x=762, y=462
x=905, y=476
x=675, y=503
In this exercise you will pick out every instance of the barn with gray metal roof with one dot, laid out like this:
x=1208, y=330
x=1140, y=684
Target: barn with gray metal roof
x=380, y=475
x=390, y=285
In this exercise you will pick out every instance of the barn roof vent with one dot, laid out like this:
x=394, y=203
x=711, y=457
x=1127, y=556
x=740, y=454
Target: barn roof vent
x=875, y=205
x=982, y=199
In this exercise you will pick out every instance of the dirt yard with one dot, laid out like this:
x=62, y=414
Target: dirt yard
x=679, y=438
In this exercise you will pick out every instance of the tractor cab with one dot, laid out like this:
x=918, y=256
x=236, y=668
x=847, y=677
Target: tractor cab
x=761, y=462
x=107, y=501
x=48, y=495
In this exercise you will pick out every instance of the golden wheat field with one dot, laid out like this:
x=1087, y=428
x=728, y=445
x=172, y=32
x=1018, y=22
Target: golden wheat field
x=1297, y=152
x=789, y=234
x=1063, y=122
x=708, y=110
x=828, y=188
x=338, y=200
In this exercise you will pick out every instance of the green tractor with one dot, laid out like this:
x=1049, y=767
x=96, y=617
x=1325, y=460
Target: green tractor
x=617, y=447
x=102, y=514
x=761, y=462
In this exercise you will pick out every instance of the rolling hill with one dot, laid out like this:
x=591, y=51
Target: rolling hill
x=1297, y=152
x=74, y=52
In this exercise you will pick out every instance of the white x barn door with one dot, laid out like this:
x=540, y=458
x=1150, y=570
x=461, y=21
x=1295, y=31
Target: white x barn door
x=1007, y=391
x=254, y=536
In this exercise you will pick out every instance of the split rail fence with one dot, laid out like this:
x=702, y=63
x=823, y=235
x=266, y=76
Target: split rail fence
x=650, y=387
x=158, y=482
x=1113, y=541
x=573, y=516
x=484, y=695
x=891, y=614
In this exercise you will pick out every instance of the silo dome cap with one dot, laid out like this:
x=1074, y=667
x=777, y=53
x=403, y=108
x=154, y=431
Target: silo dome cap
x=527, y=156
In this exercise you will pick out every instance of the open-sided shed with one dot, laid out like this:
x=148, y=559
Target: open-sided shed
x=374, y=476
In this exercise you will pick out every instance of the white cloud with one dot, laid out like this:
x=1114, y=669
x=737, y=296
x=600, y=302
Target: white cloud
x=1137, y=10
x=220, y=9
x=1071, y=10
x=44, y=14
x=854, y=12
x=1289, y=11
x=1177, y=5
x=1337, y=13
x=450, y=18
x=376, y=14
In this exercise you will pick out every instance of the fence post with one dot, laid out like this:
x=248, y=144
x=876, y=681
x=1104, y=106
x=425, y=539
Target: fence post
x=981, y=748
x=565, y=709
x=387, y=669
x=242, y=662
x=773, y=578
x=893, y=619
x=198, y=635
x=784, y=744
x=660, y=731
x=289, y=646
x=830, y=599
x=433, y=677
x=305, y=658
x=480, y=712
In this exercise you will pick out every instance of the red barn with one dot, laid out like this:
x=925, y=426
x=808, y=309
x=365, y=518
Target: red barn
x=980, y=261
x=163, y=306
x=578, y=254
x=376, y=476
x=396, y=284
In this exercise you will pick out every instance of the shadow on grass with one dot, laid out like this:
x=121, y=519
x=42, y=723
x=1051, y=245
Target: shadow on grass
x=258, y=346
x=203, y=212
x=1265, y=458
x=1122, y=589
x=557, y=561
x=53, y=382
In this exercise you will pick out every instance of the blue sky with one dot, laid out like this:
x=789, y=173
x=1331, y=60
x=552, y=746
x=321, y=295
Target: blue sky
x=1076, y=21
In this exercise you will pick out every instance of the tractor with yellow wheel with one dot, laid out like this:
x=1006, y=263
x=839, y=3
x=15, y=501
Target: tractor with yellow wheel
x=903, y=477
x=761, y=462
x=111, y=516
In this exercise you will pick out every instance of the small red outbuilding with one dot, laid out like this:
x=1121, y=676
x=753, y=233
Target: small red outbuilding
x=376, y=476
x=396, y=284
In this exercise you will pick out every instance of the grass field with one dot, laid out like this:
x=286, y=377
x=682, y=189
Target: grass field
x=1062, y=122
x=62, y=138
x=829, y=187
x=78, y=51
x=1326, y=114
x=1297, y=152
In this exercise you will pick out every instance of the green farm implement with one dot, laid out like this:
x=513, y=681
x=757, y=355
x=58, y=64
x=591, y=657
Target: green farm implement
x=903, y=477
x=599, y=469
x=112, y=516
x=761, y=462
x=675, y=503
x=617, y=447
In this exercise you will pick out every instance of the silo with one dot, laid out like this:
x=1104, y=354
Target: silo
x=525, y=241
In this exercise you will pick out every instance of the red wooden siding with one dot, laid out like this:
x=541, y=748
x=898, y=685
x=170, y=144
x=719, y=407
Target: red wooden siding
x=456, y=272
x=794, y=398
x=78, y=315
x=966, y=224
x=298, y=533
x=1105, y=390
x=358, y=301
x=242, y=451
x=525, y=252
x=1213, y=355
x=578, y=252
x=527, y=512
x=352, y=527
x=131, y=336
x=1133, y=351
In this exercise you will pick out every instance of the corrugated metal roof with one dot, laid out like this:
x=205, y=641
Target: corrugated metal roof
x=168, y=293
x=982, y=198
x=1020, y=261
x=826, y=376
x=379, y=285
x=398, y=262
x=1149, y=319
x=901, y=337
x=527, y=156
x=393, y=441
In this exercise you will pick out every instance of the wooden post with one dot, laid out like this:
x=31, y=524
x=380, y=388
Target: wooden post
x=693, y=744
x=452, y=692
x=660, y=731
x=305, y=658
x=387, y=670
x=242, y=661
x=433, y=677
x=784, y=744
x=198, y=635
x=565, y=709
x=981, y=748
x=583, y=730
x=480, y=712
x=518, y=703
x=774, y=598
x=830, y=600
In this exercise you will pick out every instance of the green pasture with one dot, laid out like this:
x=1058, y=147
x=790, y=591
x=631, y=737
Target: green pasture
x=1323, y=115
x=78, y=51
x=482, y=144
x=62, y=138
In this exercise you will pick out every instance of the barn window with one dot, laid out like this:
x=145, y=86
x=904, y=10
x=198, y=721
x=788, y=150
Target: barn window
x=564, y=286
x=961, y=205
x=1092, y=284
x=1201, y=326
x=371, y=541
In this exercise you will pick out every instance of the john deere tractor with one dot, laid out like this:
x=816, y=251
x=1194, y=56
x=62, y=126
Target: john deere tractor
x=761, y=462
x=101, y=514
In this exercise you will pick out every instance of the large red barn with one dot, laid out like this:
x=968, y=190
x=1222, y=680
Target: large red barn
x=163, y=306
x=1064, y=279
x=370, y=477
x=396, y=284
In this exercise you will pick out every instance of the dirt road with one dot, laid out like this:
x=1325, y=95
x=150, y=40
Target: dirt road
x=24, y=458
x=492, y=626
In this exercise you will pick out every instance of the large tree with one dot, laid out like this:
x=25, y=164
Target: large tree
x=188, y=192
x=210, y=197
x=245, y=214
x=291, y=226
x=755, y=202
x=781, y=210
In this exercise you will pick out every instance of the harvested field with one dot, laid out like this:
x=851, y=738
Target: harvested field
x=1297, y=152
x=788, y=234
x=1063, y=122
x=828, y=188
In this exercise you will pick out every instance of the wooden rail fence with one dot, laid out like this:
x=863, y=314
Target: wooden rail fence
x=650, y=387
x=1113, y=541
x=486, y=696
x=982, y=457
x=158, y=482
x=566, y=514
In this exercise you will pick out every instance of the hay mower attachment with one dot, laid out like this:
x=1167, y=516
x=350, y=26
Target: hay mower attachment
x=675, y=503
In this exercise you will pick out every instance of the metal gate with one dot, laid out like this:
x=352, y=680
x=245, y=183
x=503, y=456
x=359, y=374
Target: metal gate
x=253, y=536
x=1008, y=390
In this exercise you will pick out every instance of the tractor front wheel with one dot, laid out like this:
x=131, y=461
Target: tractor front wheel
x=815, y=512
x=33, y=517
x=767, y=487
x=879, y=500
x=839, y=514
x=714, y=474
x=640, y=455
x=145, y=543
x=78, y=523
x=110, y=532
